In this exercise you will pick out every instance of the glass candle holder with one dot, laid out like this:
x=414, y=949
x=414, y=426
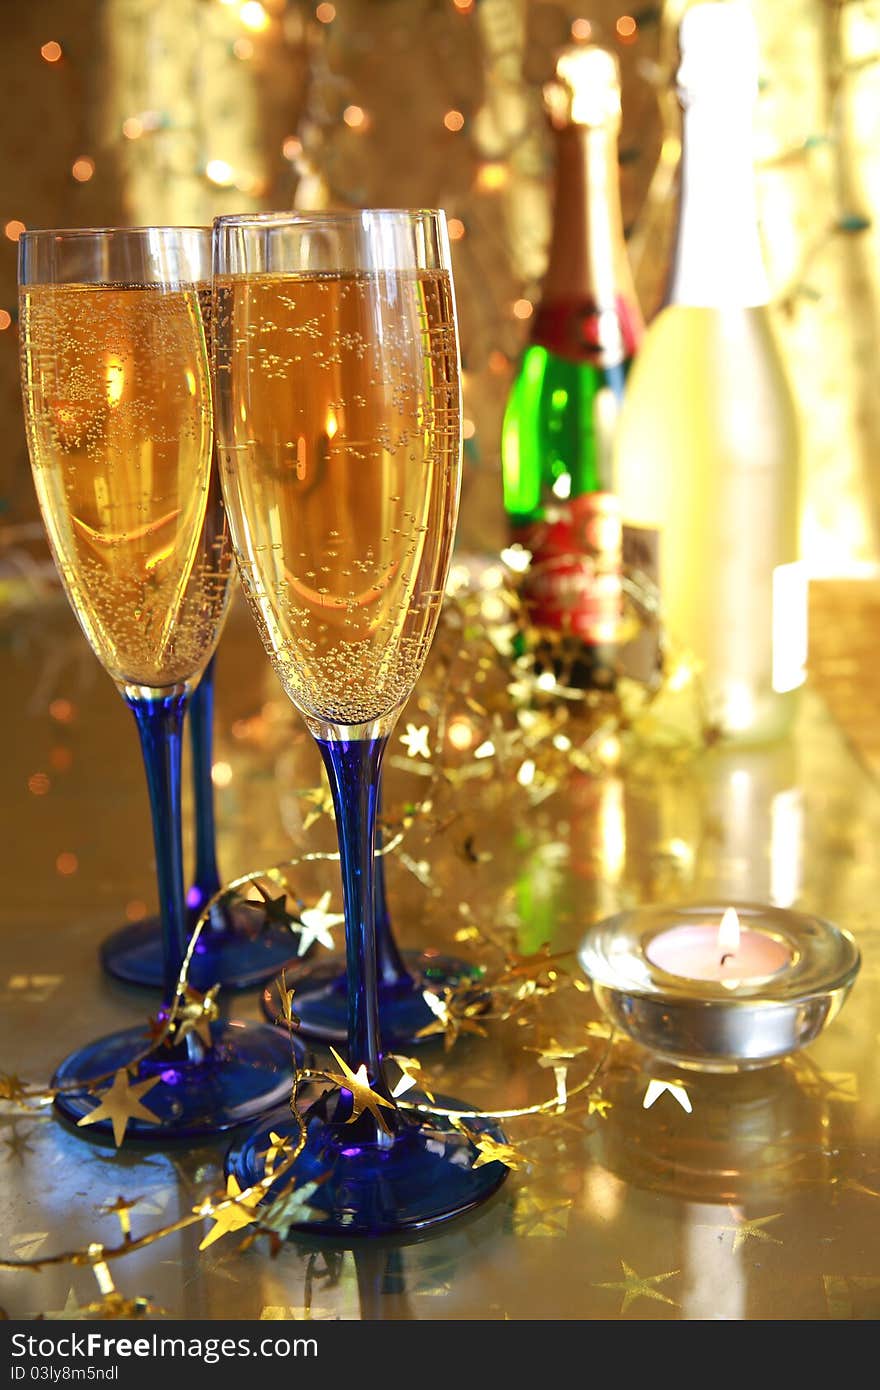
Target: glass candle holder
x=672, y=979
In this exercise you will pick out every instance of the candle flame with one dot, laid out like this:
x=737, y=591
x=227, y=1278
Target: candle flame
x=728, y=933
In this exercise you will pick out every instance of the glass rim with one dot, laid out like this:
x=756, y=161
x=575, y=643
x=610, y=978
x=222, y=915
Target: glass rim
x=56, y=233
x=294, y=215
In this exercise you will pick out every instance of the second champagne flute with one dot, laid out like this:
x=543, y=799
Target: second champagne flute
x=117, y=398
x=338, y=423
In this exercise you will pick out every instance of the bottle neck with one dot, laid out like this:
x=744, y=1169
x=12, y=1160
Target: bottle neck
x=718, y=260
x=588, y=306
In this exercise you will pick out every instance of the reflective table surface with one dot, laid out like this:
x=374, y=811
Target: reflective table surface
x=751, y=1197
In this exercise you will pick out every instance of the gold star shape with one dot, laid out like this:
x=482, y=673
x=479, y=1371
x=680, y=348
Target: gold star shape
x=17, y=1144
x=285, y=997
x=532, y=967
x=71, y=1310
x=292, y=1206
x=279, y=1146
x=635, y=1286
x=12, y=1087
x=656, y=1089
x=316, y=923
x=233, y=1216
x=275, y=909
x=410, y=1076
x=541, y=1216
x=745, y=1230
x=363, y=1097
x=596, y=1029
x=450, y=1018
x=598, y=1105
x=489, y=1150
x=196, y=1013
x=415, y=741
x=321, y=803
x=121, y=1102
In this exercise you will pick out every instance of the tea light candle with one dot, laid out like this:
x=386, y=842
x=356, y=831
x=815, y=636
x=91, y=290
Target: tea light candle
x=726, y=952
x=715, y=989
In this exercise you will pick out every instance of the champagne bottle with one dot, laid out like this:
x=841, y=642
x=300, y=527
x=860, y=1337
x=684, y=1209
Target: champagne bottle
x=706, y=455
x=561, y=414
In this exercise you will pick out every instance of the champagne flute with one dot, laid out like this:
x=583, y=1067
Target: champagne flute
x=338, y=422
x=117, y=399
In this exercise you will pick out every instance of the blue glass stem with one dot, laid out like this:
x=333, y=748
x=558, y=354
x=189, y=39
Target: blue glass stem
x=353, y=767
x=392, y=971
x=160, y=725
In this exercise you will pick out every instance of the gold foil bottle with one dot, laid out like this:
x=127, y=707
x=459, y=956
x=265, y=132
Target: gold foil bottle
x=706, y=459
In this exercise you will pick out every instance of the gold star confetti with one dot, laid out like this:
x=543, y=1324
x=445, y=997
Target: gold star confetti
x=316, y=923
x=363, y=1097
x=27, y=1243
x=451, y=1018
x=290, y=1208
x=489, y=1150
x=121, y=1102
x=196, y=1013
x=17, y=1145
x=745, y=1230
x=415, y=741
x=599, y=1030
x=531, y=974
x=320, y=800
x=121, y=1208
x=534, y=1215
x=279, y=1146
x=410, y=1076
x=656, y=1089
x=232, y=1216
x=285, y=997
x=12, y=1087
x=275, y=910
x=598, y=1105
x=634, y=1286
x=71, y=1310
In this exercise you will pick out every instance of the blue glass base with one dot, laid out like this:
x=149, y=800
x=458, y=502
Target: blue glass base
x=240, y=954
x=321, y=998
x=246, y=1072
x=407, y=1183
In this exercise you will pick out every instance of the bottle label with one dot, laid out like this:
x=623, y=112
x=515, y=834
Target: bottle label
x=584, y=331
x=640, y=656
x=573, y=582
x=790, y=626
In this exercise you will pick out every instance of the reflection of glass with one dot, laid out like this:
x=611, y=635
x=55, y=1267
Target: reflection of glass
x=747, y=1139
x=337, y=389
x=118, y=408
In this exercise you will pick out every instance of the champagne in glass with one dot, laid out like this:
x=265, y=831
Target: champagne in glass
x=338, y=420
x=237, y=946
x=117, y=399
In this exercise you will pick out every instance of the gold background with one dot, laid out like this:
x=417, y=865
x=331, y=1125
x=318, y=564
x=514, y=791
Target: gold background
x=218, y=88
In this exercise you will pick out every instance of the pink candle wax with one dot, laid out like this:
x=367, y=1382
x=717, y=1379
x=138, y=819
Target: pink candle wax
x=701, y=952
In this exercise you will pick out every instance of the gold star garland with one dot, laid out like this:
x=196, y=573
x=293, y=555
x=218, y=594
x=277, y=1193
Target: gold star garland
x=533, y=727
